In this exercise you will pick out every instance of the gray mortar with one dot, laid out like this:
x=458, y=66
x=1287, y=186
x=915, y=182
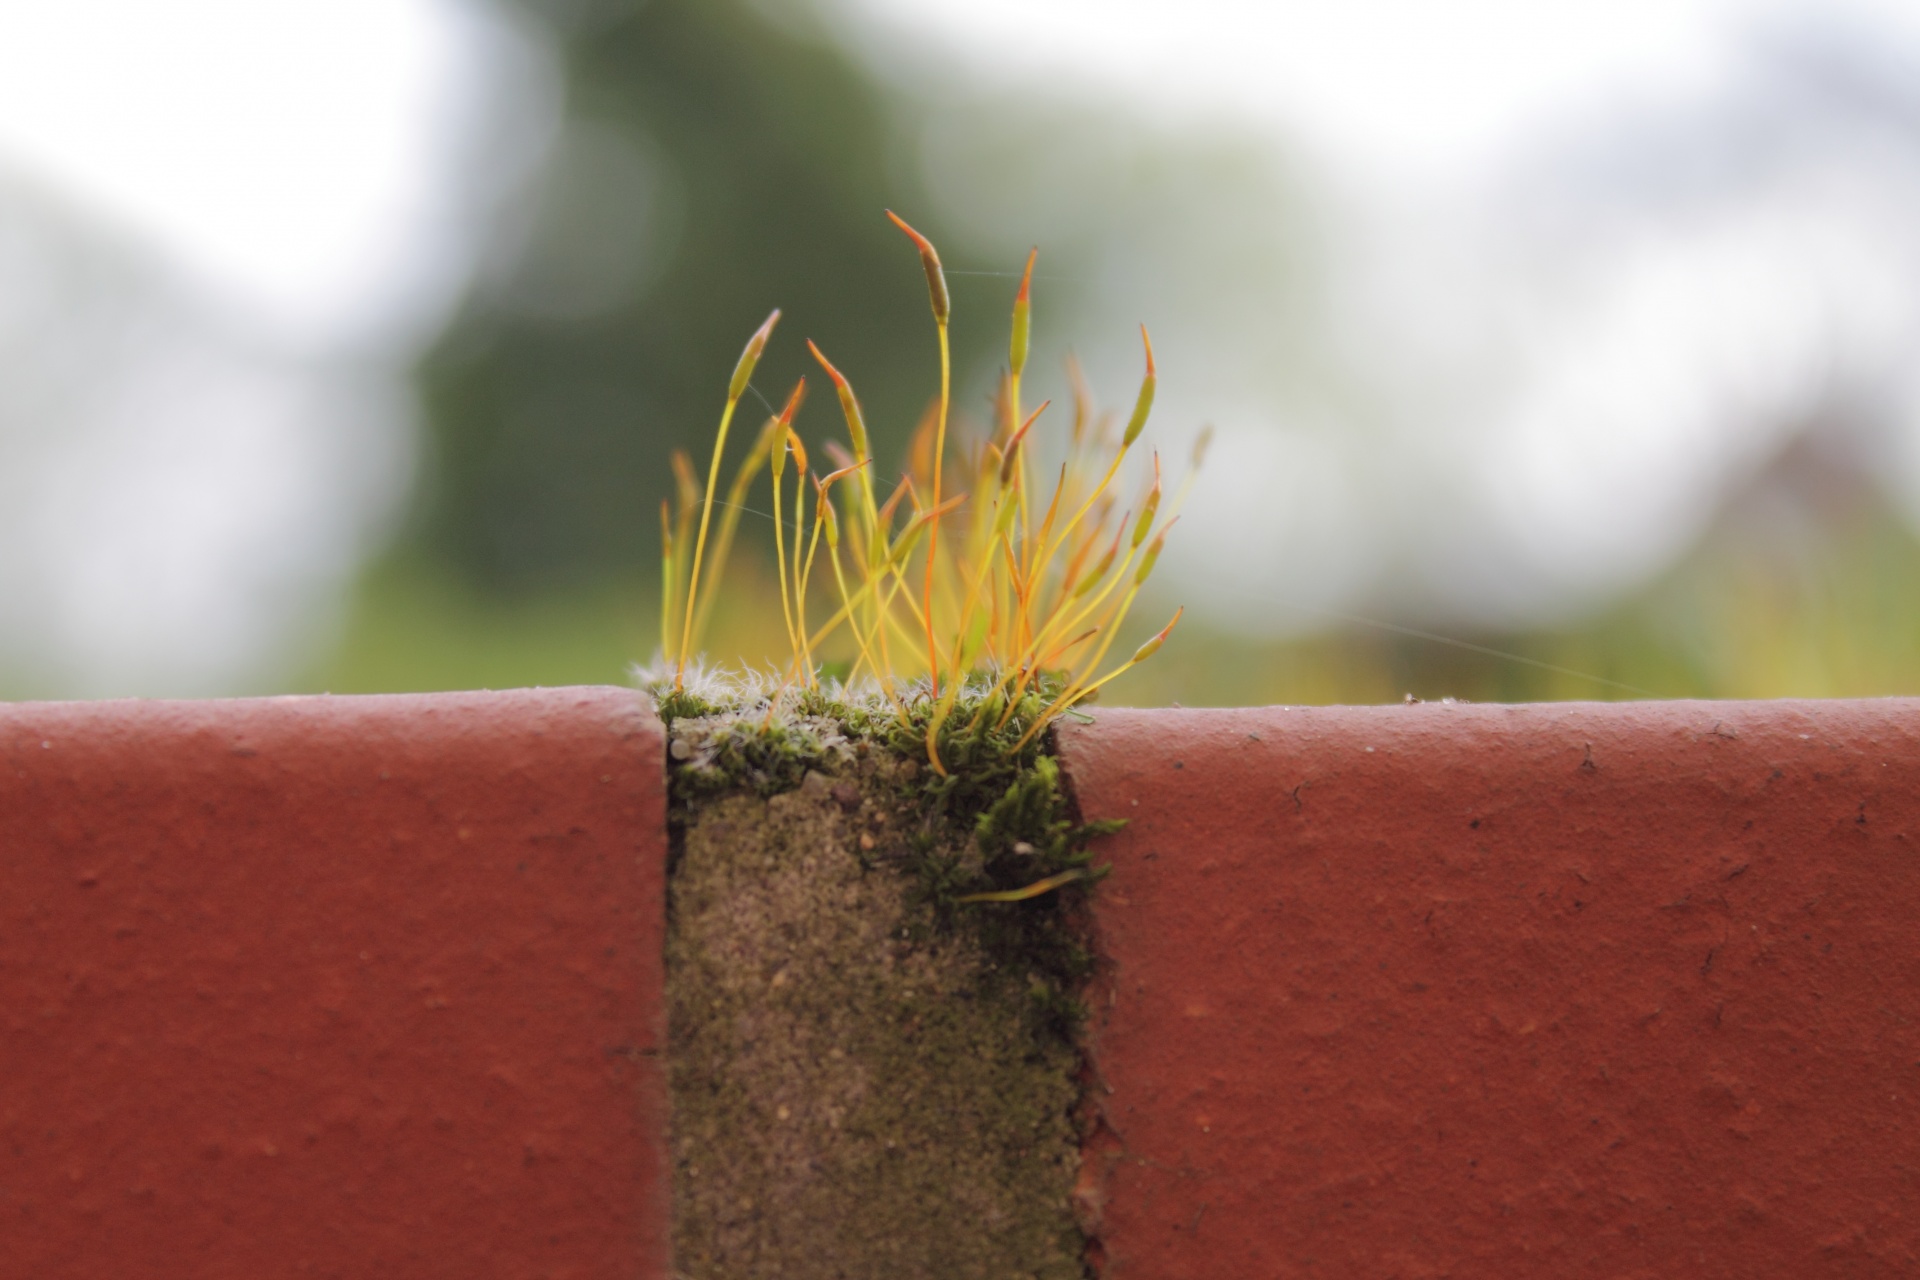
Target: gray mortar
x=851, y=1098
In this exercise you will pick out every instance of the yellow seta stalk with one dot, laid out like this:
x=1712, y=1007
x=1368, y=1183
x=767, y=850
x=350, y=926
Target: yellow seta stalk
x=997, y=532
x=857, y=435
x=675, y=535
x=1020, y=339
x=669, y=579
x=737, y=387
x=803, y=656
x=1019, y=346
x=1033, y=660
x=777, y=464
x=1143, y=405
x=826, y=521
x=1073, y=695
x=730, y=511
x=1111, y=626
x=894, y=570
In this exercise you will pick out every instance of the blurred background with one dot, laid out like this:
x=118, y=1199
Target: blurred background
x=1552, y=351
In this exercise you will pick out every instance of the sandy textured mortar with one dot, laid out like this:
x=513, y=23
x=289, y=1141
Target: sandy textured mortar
x=854, y=1094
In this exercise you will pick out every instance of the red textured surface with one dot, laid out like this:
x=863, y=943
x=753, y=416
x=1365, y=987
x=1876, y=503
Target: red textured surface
x=1509, y=991
x=357, y=987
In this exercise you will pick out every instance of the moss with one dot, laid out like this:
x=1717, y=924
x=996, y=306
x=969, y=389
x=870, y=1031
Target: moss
x=870, y=1077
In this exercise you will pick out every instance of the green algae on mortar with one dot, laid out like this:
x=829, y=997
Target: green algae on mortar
x=874, y=1071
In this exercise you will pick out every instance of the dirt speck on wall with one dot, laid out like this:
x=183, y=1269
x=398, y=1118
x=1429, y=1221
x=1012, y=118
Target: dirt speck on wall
x=855, y=1093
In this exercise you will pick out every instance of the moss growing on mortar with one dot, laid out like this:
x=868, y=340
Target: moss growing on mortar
x=871, y=1077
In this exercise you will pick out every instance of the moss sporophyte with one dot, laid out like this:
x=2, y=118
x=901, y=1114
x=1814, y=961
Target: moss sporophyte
x=876, y=935
x=969, y=581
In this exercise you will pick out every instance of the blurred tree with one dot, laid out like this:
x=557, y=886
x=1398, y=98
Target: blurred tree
x=712, y=164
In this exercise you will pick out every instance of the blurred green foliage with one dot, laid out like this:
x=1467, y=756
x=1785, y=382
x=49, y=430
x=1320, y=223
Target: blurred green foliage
x=722, y=165
x=1730, y=621
x=757, y=160
x=1835, y=612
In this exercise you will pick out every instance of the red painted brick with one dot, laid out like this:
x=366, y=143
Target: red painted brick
x=1509, y=991
x=333, y=987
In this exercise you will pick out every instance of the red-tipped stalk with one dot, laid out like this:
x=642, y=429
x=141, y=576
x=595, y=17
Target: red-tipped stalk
x=803, y=657
x=942, y=308
x=856, y=421
x=1142, y=406
x=1019, y=343
x=730, y=519
x=930, y=263
x=1011, y=459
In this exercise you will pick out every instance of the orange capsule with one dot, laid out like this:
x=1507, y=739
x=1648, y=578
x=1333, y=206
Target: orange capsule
x=930, y=262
